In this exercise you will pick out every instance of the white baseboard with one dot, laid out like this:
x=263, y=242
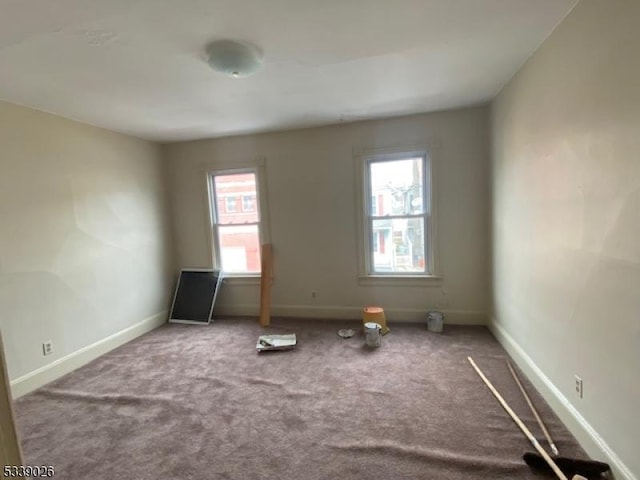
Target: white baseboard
x=48, y=373
x=586, y=435
x=331, y=312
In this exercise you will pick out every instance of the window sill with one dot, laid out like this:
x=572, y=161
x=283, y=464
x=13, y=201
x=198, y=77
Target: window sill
x=401, y=280
x=242, y=280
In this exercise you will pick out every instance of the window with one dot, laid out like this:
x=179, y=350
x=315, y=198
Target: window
x=236, y=236
x=396, y=213
x=248, y=203
x=229, y=204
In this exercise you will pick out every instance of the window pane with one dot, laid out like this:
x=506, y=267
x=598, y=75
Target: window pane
x=248, y=203
x=239, y=248
x=396, y=187
x=235, y=192
x=230, y=204
x=398, y=245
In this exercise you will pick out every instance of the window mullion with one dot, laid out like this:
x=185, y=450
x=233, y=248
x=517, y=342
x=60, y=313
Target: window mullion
x=244, y=224
x=394, y=217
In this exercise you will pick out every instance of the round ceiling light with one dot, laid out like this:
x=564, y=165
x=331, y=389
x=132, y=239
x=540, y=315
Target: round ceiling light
x=234, y=59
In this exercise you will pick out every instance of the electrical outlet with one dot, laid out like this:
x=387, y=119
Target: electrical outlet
x=47, y=347
x=579, y=390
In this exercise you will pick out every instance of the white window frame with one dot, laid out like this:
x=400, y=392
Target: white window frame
x=261, y=205
x=363, y=159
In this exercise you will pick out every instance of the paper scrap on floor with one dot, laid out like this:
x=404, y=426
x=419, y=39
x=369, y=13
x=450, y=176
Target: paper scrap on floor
x=276, y=342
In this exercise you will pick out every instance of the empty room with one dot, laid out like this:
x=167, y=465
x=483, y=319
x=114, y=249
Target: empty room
x=428, y=209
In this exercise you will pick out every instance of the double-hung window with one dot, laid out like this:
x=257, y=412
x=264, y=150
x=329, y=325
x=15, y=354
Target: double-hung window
x=397, y=221
x=237, y=233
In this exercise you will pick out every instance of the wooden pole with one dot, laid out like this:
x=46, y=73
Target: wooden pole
x=534, y=410
x=265, y=284
x=522, y=426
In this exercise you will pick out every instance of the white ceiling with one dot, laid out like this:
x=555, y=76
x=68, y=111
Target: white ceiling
x=137, y=66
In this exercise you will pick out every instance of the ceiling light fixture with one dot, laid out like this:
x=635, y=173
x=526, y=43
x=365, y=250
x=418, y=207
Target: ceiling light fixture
x=234, y=59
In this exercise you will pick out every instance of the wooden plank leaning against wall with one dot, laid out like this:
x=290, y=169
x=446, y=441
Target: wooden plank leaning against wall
x=266, y=272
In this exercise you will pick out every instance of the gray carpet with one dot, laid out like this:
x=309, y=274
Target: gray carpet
x=198, y=402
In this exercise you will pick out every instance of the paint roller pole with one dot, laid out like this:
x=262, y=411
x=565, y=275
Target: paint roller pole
x=522, y=426
x=534, y=410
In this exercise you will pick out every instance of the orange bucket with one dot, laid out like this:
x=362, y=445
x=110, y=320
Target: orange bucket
x=375, y=315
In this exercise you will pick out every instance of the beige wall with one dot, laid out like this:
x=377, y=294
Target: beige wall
x=312, y=200
x=83, y=235
x=566, y=218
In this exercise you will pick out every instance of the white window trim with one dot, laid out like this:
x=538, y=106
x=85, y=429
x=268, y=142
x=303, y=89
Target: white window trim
x=362, y=158
x=220, y=168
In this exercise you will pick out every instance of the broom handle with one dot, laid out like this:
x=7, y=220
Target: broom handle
x=554, y=449
x=522, y=426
